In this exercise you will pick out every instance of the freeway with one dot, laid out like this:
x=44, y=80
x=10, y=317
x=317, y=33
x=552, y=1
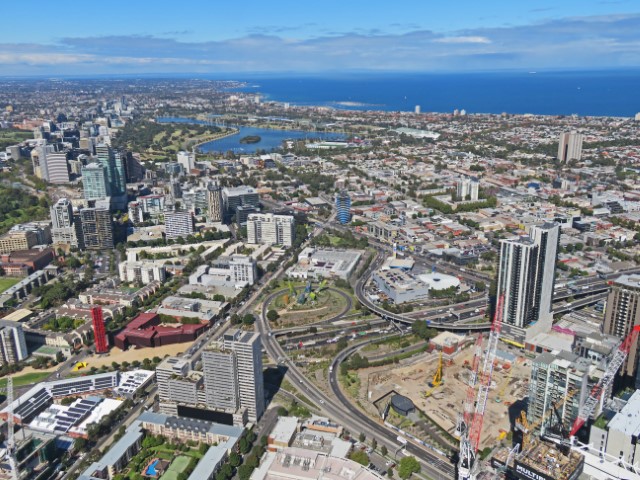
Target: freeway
x=435, y=466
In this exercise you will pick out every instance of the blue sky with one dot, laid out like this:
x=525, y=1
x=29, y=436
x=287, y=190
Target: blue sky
x=193, y=36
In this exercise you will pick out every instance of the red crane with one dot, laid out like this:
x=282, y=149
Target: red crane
x=485, y=377
x=618, y=358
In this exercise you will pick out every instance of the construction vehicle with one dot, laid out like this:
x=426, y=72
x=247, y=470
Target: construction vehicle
x=618, y=358
x=470, y=431
x=503, y=390
x=80, y=366
x=437, y=378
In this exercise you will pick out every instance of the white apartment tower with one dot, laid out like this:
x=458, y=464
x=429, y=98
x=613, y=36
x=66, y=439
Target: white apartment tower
x=468, y=187
x=233, y=373
x=271, y=229
x=526, y=280
x=570, y=146
x=178, y=224
x=65, y=226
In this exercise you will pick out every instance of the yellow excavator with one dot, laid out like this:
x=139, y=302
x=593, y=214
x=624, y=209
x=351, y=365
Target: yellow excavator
x=437, y=378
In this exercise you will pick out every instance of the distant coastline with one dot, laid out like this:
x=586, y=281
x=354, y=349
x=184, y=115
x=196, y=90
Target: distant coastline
x=596, y=93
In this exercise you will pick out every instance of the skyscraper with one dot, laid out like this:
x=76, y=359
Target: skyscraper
x=343, y=205
x=526, y=275
x=66, y=228
x=99, y=334
x=215, y=202
x=95, y=182
x=621, y=315
x=115, y=175
x=233, y=373
x=112, y=161
x=97, y=228
x=570, y=146
x=271, y=229
x=55, y=166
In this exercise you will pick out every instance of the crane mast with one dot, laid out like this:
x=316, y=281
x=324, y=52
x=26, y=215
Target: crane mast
x=618, y=358
x=11, y=442
x=470, y=439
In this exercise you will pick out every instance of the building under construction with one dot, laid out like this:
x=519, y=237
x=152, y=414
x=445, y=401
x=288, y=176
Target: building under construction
x=541, y=461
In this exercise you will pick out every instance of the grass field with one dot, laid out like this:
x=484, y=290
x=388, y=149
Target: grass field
x=27, y=379
x=179, y=465
x=7, y=282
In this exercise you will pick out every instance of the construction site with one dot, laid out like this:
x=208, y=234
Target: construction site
x=437, y=385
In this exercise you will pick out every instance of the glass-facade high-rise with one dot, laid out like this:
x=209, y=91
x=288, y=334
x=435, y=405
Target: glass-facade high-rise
x=114, y=166
x=95, y=182
x=343, y=205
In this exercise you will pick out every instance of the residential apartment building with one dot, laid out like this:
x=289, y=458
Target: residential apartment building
x=97, y=228
x=621, y=315
x=66, y=226
x=468, y=189
x=570, y=146
x=215, y=204
x=271, y=229
x=178, y=224
x=526, y=273
x=343, y=205
x=142, y=272
x=13, y=346
x=17, y=240
x=243, y=369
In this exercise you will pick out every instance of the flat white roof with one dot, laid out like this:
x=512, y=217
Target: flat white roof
x=627, y=420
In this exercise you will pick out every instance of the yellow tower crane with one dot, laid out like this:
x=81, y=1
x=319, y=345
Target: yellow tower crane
x=526, y=429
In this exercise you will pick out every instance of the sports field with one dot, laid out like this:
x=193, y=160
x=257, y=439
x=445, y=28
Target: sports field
x=178, y=466
x=7, y=282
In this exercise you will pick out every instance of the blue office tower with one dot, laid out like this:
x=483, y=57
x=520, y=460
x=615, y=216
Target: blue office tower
x=343, y=204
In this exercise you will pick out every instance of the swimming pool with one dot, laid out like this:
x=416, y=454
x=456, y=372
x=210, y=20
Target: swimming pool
x=151, y=469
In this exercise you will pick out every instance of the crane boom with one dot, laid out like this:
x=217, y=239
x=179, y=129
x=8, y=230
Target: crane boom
x=470, y=433
x=473, y=380
x=618, y=358
x=485, y=378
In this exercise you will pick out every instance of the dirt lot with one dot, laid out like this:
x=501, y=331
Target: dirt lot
x=411, y=379
x=117, y=355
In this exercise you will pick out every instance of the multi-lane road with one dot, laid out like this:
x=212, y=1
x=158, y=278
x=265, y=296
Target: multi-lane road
x=344, y=412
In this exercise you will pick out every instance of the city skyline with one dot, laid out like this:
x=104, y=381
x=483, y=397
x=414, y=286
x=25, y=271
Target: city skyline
x=284, y=38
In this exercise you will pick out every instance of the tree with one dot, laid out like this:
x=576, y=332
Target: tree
x=272, y=315
x=362, y=437
x=244, y=446
x=244, y=472
x=374, y=443
x=79, y=444
x=384, y=451
x=282, y=412
x=248, y=319
x=408, y=466
x=234, y=459
x=360, y=457
x=252, y=461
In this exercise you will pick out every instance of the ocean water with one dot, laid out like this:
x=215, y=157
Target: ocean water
x=602, y=93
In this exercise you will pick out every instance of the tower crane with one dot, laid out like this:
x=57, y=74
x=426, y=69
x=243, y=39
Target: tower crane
x=527, y=430
x=470, y=439
x=464, y=418
x=618, y=358
x=11, y=441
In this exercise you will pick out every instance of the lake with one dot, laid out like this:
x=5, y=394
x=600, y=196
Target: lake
x=270, y=139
